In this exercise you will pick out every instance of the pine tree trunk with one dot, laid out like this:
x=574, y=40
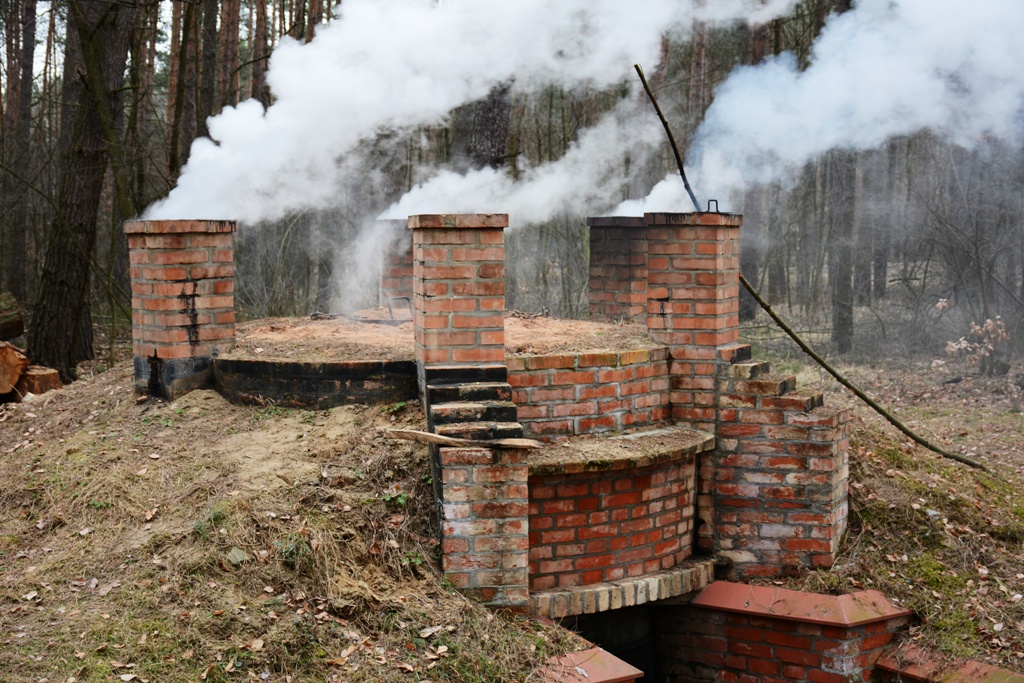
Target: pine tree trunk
x=190, y=74
x=841, y=187
x=207, y=68
x=314, y=15
x=228, y=52
x=15, y=244
x=260, y=91
x=750, y=249
x=179, y=93
x=778, y=275
x=61, y=315
x=863, y=233
x=174, y=68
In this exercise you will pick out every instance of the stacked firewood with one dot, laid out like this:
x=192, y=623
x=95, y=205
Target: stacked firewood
x=18, y=377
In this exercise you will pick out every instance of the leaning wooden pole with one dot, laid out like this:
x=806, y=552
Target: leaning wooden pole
x=793, y=335
x=849, y=385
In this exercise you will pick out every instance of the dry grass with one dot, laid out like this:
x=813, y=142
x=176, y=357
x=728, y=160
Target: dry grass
x=203, y=541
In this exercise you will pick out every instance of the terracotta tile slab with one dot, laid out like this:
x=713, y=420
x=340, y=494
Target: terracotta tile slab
x=854, y=609
x=589, y=666
x=912, y=663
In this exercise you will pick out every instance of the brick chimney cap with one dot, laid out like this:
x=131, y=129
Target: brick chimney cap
x=720, y=220
x=141, y=227
x=616, y=221
x=459, y=221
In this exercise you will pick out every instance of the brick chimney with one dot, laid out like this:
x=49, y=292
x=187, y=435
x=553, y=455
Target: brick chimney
x=183, y=303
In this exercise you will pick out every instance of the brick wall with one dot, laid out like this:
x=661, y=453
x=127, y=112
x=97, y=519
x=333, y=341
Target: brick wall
x=595, y=527
x=573, y=394
x=182, y=301
x=459, y=288
x=761, y=634
x=693, y=303
x=773, y=498
x=780, y=489
x=459, y=302
x=396, y=261
x=618, y=267
x=485, y=524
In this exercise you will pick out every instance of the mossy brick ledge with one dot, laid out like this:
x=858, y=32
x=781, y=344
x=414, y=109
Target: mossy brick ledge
x=908, y=663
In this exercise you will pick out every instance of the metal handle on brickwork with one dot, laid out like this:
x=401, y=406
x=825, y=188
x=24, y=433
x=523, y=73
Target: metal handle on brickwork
x=407, y=301
x=715, y=202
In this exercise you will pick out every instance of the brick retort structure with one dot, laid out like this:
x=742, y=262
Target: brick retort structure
x=773, y=496
x=183, y=304
x=765, y=634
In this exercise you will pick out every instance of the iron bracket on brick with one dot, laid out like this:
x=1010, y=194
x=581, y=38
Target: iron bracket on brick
x=408, y=302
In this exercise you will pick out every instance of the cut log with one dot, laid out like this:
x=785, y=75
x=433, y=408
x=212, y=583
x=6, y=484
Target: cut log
x=12, y=318
x=12, y=364
x=428, y=437
x=38, y=380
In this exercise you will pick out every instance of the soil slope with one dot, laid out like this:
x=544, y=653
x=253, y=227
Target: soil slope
x=197, y=540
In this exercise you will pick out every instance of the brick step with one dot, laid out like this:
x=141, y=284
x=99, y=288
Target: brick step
x=735, y=353
x=481, y=430
x=798, y=401
x=470, y=411
x=764, y=385
x=751, y=369
x=457, y=374
x=469, y=391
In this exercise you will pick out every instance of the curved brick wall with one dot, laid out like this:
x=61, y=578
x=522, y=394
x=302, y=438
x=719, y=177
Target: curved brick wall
x=594, y=527
x=587, y=393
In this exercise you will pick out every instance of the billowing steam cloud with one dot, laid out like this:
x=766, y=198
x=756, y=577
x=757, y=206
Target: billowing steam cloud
x=888, y=68
x=392, y=64
x=590, y=174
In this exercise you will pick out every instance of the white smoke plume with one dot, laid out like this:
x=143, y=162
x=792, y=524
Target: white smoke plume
x=590, y=174
x=393, y=64
x=885, y=69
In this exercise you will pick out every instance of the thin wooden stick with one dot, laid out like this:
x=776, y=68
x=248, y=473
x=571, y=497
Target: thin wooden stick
x=441, y=440
x=671, y=138
x=849, y=385
x=793, y=335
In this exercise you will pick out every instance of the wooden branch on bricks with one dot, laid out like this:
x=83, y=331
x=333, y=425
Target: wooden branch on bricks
x=427, y=437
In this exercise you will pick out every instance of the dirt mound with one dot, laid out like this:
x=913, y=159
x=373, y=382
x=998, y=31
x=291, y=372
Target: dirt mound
x=200, y=540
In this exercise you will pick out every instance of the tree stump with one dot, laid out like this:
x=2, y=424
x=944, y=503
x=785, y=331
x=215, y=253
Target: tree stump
x=12, y=364
x=38, y=380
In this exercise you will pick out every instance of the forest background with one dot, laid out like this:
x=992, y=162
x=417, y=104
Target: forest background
x=892, y=250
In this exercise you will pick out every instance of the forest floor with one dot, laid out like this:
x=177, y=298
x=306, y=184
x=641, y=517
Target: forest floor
x=935, y=536
x=197, y=540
